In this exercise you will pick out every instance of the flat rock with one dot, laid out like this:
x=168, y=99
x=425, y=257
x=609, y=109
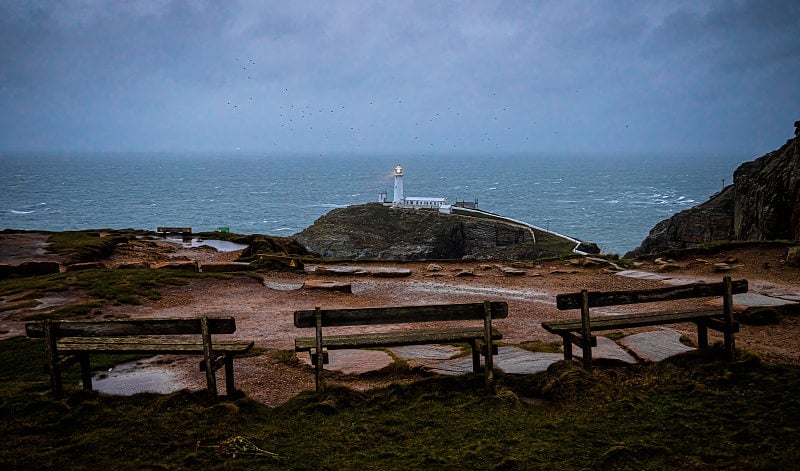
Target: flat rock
x=511, y=271
x=515, y=360
x=353, y=361
x=512, y=360
x=656, y=345
x=757, y=300
x=282, y=286
x=335, y=270
x=328, y=285
x=378, y=272
x=606, y=349
x=426, y=352
x=388, y=272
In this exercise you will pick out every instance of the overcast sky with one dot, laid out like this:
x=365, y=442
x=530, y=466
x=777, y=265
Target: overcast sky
x=401, y=77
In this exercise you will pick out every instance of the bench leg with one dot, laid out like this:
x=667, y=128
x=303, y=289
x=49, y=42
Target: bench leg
x=702, y=336
x=86, y=371
x=229, y=386
x=208, y=358
x=567, y=347
x=318, y=380
x=51, y=352
x=586, y=332
x=319, y=364
x=727, y=308
x=476, y=357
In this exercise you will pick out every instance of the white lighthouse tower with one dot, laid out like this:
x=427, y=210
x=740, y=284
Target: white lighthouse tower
x=399, y=199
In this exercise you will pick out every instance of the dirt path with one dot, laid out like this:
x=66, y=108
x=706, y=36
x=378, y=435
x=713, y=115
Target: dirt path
x=263, y=311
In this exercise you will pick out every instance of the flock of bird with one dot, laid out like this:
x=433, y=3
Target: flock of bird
x=359, y=123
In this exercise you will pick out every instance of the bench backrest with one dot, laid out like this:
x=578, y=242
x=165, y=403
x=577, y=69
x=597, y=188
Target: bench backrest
x=400, y=314
x=127, y=327
x=613, y=298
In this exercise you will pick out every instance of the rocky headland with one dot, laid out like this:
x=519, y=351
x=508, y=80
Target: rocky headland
x=377, y=232
x=762, y=204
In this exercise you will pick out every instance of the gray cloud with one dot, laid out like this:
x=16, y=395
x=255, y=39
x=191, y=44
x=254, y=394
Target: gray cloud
x=538, y=77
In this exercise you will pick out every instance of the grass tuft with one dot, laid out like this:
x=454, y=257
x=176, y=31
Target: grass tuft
x=693, y=411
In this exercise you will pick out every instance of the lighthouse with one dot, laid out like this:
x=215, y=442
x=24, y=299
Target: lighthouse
x=399, y=199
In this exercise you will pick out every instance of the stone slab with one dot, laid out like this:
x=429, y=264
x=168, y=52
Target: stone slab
x=656, y=345
x=426, y=352
x=515, y=360
x=353, y=361
x=328, y=285
x=758, y=300
x=511, y=360
x=606, y=349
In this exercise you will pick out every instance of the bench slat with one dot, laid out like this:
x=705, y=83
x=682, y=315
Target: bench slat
x=623, y=321
x=394, y=338
x=400, y=314
x=117, y=328
x=613, y=298
x=147, y=345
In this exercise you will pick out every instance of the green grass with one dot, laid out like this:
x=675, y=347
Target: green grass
x=118, y=286
x=689, y=413
x=88, y=246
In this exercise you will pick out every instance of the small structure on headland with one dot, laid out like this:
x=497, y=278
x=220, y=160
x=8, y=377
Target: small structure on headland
x=415, y=202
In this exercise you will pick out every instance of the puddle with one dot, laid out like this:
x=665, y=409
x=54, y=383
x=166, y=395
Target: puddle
x=128, y=379
x=523, y=295
x=277, y=285
x=220, y=245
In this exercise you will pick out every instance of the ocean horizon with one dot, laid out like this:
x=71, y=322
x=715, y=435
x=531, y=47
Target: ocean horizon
x=612, y=202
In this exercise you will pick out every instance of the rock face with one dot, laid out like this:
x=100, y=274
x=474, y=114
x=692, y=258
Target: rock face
x=763, y=203
x=374, y=231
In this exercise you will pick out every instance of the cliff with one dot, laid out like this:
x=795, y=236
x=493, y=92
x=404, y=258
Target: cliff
x=763, y=203
x=374, y=231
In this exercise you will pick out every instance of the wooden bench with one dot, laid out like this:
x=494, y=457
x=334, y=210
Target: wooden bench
x=579, y=331
x=479, y=338
x=184, y=231
x=68, y=342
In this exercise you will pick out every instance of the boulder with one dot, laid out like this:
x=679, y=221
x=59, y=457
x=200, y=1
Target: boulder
x=722, y=267
x=511, y=271
x=793, y=256
x=34, y=268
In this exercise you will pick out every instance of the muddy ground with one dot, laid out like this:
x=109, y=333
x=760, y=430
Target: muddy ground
x=263, y=308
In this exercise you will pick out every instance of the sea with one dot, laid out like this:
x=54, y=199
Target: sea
x=611, y=201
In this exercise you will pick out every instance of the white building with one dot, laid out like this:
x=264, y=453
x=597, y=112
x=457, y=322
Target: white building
x=416, y=202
